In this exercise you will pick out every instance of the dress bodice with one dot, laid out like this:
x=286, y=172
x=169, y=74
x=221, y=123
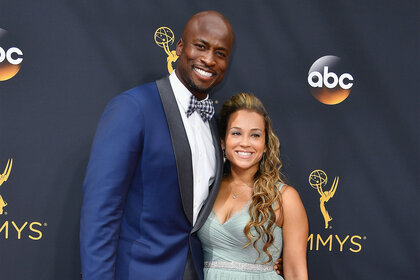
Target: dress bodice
x=225, y=242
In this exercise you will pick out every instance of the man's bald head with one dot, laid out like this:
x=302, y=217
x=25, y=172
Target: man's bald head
x=204, y=51
x=210, y=19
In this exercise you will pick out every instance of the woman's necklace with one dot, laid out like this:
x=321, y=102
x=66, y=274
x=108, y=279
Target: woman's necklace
x=235, y=195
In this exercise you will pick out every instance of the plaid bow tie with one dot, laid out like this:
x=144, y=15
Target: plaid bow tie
x=204, y=108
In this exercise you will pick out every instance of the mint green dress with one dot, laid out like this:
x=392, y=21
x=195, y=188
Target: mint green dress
x=224, y=255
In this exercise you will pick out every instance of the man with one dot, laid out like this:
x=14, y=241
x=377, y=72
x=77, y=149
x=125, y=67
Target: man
x=156, y=165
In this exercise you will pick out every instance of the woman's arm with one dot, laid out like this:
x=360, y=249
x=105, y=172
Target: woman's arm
x=294, y=223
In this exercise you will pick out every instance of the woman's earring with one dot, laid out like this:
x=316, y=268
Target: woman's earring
x=262, y=159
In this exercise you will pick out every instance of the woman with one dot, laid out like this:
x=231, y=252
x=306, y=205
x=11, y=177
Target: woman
x=255, y=215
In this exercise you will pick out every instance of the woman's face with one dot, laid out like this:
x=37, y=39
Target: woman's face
x=244, y=142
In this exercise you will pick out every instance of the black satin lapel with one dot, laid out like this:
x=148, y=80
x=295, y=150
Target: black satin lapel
x=180, y=145
x=214, y=188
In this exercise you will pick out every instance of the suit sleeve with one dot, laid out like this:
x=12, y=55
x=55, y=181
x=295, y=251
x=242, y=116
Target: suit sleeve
x=114, y=156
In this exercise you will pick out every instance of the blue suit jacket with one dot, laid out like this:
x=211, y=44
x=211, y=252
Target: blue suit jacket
x=136, y=219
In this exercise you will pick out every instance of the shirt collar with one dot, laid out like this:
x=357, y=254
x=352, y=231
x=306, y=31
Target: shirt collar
x=182, y=94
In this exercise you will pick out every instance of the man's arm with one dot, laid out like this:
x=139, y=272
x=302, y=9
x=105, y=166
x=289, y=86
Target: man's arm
x=113, y=159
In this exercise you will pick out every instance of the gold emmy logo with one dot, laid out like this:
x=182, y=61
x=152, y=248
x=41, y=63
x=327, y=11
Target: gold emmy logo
x=3, y=178
x=318, y=179
x=13, y=229
x=163, y=38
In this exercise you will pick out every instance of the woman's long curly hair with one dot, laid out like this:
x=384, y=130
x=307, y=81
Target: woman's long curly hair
x=265, y=191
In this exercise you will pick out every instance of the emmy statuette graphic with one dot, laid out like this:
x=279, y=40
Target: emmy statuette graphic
x=318, y=179
x=3, y=178
x=163, y=38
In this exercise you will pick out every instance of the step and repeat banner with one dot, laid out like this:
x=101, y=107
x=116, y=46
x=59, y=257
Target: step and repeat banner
x=340, y=80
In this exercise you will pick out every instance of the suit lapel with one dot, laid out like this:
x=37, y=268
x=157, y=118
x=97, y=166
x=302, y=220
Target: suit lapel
x=214, y=188
x=180, y=145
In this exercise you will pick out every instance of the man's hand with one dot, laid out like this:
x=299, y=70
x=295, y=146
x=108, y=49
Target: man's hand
x=278, y=267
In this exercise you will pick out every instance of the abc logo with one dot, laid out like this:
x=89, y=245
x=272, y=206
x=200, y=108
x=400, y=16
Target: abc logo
x=11, y=56
x=328, y=83
x=8, y=55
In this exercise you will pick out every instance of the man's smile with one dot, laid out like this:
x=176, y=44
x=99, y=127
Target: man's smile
x=203, y=73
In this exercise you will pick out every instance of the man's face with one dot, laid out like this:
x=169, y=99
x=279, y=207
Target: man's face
x=203, y=54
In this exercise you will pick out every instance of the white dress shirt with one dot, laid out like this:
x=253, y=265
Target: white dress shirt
x=201, y=144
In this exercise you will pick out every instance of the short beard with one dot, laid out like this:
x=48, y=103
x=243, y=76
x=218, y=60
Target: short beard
x=197, y=89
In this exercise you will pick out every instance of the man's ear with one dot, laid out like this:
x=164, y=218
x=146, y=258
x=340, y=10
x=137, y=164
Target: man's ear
x=179, y=47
